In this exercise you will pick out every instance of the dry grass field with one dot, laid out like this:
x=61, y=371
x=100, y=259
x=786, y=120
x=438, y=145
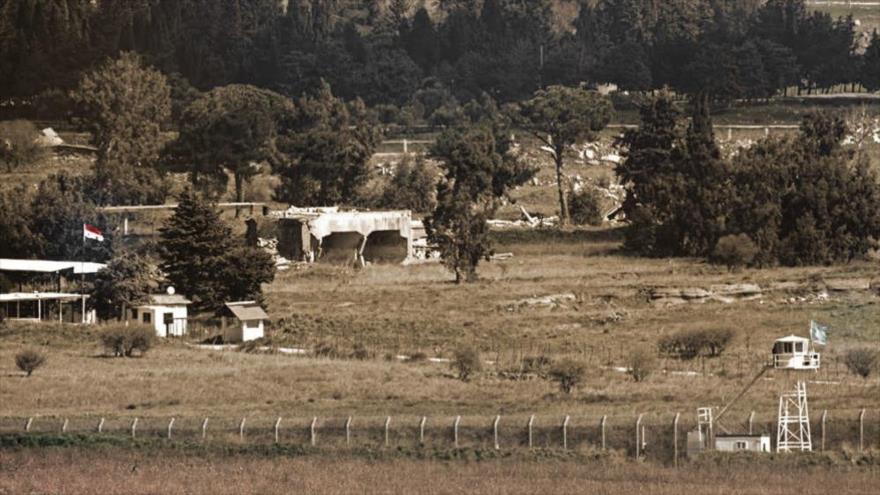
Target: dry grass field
x=70, y=471
x=391, y=310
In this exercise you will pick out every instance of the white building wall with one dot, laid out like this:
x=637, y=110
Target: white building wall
x=157, y=319
x=744, y=444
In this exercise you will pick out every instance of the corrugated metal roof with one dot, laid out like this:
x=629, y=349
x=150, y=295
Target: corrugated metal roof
x=247, y=310
x=39, y=296
x=45, y=266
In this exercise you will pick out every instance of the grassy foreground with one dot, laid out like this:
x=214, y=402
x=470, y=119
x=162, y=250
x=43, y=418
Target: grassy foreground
x=120, y=469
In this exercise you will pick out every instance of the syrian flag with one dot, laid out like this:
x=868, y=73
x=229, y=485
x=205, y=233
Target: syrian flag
x=90, y=232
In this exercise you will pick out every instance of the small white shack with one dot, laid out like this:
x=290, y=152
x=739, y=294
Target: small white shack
x=250, y=317
x=742, y=443
x=166, y=313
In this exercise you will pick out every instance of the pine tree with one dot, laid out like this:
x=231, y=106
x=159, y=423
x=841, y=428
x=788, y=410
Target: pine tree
x=870, y=74
x=203, y=261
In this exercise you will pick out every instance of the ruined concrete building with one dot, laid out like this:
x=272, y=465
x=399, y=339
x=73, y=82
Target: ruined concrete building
x=309, y=234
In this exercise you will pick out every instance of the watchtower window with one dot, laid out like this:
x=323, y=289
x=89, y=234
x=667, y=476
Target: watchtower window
x=799, y=347
x=740, y=445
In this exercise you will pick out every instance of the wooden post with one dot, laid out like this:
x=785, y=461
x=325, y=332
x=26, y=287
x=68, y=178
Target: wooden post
x=348, y=431
x=638, y=440
x=422, y=430
x=602, y=426
x=751, y=421
x=455, y=431
x=387, y=425
x=277, y=427
x=675, y=439
x=565, y=433
x=241, y=429
x=824, y=418
x=531, y=422
x=495, y=430
x=64, y=428
x=170, y=424
x=134, y=425
x=101, y=425
x=205, y=428
x=313, y=434
x=27, y=426
x=862, y=430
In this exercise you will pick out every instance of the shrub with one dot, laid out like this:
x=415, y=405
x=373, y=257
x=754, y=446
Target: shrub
x=688, y=344
x=19, y=144
x=466, y=362
x=417, y=357
x=715, y=340
x=29, y=360
x=734, y=251
x=585, y=207
x=326, y=350
x=568, y=373
x=641, y=363
x=361, y=353
x=122, y=341
x=683, y=345
x=536, y=364
x=860, y=361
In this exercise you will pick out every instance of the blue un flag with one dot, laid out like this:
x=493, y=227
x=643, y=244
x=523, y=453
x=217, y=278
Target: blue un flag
x=818, y=333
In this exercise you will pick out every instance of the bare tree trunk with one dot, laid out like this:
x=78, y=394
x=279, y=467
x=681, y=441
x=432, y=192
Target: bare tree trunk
x=563, y=200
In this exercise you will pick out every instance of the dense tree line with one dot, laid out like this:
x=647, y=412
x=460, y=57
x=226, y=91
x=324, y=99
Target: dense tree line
x=799, y=200
x=396, y=53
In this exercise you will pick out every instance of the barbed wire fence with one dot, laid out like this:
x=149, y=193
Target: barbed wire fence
x=650, y=436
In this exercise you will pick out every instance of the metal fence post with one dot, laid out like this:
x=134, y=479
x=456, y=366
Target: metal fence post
x=313, y=434
x=422, y=430
x=134, y=427
x=495, y=430
x=602, y=427
x=565, y=433
x=531, y=422
x=638, y=441
x=387, y=425
x=205, y=428
x=455, y=430
x=101, y=425
x=277, y=427
x=675, y=439
x=170, y=424
x=824, y=418
x=348, y=431
x=862, y=430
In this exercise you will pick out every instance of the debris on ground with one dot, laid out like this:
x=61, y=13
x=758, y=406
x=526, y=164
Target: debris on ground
x=552, y=301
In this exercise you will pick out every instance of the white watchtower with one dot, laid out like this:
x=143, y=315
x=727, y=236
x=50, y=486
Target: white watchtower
x=794, y=353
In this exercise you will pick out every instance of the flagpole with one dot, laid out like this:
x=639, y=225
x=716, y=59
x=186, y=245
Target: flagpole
x=82, y=275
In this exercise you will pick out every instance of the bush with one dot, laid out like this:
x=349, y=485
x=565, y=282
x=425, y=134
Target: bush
x=585, y=207
x=568, y=373
x=417, y=357
x=361, y=353
x=689, y=344
x=860, y=361
x=19, y=144
x=122, y=341
x=734, y=251
x=327, y=350
x=29, y=360
x=466, y=362
x=536, y=364
x=641, y=363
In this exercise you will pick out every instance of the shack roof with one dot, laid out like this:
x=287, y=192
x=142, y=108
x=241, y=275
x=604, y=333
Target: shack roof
x=45, y=266
x=792, y=338
x=247, y=310
x=168, y=300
